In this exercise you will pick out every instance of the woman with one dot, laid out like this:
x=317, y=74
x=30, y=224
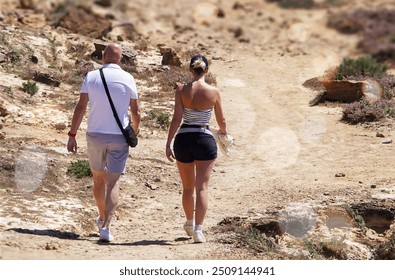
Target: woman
x=195, y=149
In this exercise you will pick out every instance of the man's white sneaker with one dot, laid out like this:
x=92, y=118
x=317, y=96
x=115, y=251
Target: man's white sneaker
x=105, y=235
x=188, y=229
x=198, y=237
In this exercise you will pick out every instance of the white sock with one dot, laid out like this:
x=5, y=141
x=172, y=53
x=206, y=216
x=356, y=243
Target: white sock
x=199, y=228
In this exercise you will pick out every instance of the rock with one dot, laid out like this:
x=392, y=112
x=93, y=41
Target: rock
x=3, y=57
x=150, y=186
x=3, y=110
x=51, y=246
x=27, y=4
x=346, y=91
x=386, y=141
x=60, y=126
x=47, y=78
x=104, y=3
x=128, y=30
x=238, y=32
x=340, y=174
x=343, y=91
x=83, y=21
x=169, y=57
x=314, y=84
x=34, y=59
x=128, y=55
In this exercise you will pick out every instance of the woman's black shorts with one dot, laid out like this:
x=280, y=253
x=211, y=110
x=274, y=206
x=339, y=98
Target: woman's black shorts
x=191, y=146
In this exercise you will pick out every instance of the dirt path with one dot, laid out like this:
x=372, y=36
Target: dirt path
x=285, y=153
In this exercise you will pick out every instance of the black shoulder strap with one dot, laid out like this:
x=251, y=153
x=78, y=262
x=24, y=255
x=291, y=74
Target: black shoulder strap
x=110, y=100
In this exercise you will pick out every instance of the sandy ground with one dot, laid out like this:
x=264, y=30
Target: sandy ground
x=286, y=153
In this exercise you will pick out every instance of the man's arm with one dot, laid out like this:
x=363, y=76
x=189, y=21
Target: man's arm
x=78, y=115
x=136, y=114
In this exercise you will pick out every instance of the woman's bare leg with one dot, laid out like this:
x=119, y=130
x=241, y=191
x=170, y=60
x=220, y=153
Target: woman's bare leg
x=187, y=174
x=203, y=173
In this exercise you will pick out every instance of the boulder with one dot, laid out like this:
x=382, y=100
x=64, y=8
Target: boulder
x=3, y=110
x=128, y=55
x=47, y=78
x=343, y=91
x=169, y=56
x=346, y=91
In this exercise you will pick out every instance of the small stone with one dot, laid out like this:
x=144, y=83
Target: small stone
x=386, y=141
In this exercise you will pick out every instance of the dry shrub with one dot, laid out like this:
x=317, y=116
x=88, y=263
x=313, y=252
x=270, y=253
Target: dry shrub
x=363, y=111
x=374, y=26
x=73, y=74
x=386, y=251
x=78, y=50
x=236, y=230
x=387, y=83
x=169, y=79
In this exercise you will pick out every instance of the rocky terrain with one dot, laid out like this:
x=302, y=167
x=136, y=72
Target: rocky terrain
x=300, y=184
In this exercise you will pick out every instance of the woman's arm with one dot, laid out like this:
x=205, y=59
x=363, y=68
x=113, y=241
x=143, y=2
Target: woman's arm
x=175, y=123
x=219, y=116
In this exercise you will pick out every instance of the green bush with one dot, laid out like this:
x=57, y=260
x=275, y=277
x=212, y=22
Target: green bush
x=80, y=169
x=161, y=118
x=257, y=241
x=15, y=57
x=30, y=87
x=364, y=66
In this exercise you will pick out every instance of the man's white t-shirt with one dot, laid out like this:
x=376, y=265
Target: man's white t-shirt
x=122, y=88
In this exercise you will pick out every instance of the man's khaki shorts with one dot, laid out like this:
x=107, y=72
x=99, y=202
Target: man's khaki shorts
x=107, y=152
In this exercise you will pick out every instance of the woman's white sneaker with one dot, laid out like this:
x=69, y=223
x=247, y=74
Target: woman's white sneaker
x=188, y=229
x=105, y=235
x=198, y=237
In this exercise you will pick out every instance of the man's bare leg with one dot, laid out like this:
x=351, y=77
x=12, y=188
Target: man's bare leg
x=112, y=197
x=99, y=191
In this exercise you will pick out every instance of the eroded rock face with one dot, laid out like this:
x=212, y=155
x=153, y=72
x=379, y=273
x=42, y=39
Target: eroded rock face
x=83, y=21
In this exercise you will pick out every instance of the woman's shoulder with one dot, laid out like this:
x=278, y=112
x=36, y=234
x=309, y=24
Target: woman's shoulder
x=182, y=87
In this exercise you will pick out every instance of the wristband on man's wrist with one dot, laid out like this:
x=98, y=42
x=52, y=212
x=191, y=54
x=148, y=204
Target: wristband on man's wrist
x=72, y=135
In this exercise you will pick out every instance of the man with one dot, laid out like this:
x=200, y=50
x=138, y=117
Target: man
x=106, y=146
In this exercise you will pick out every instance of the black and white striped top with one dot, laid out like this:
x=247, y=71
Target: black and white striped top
x=198, y=117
